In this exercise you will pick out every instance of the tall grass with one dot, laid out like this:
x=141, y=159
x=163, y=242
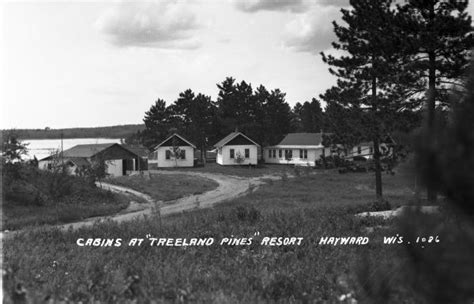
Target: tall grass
x=59, y=269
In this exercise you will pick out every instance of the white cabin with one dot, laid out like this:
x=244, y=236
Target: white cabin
x=237, y=149
x=302, y=149
x=175, y=151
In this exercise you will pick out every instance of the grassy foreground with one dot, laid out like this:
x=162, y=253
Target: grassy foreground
x=242, y=171
x=309, y=206
x=35, y=197
x=98, y=203
x=166, y=187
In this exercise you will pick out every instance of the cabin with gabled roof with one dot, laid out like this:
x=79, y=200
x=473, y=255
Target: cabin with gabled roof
x=174, y=151
x=237, y=149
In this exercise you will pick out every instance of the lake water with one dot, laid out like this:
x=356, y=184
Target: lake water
x=42, y=148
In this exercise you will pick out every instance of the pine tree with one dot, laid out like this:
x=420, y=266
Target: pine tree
x=157, y=122
x=439, y=40
x=277, y=119
x=195, y=116
x=367, y=70
x=309, y=116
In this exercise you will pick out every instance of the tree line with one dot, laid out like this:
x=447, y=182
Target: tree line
x=263, y=115
x=121, y=131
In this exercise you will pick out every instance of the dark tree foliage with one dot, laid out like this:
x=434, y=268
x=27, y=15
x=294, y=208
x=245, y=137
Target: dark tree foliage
x=340, y=125
x=452, y=169
x=438, y=40
x=367, y=71
x=254, y=113
x=12, y=148
x=157, y=122
x=229, y=106
x=309, y=116
x=262, y=115
x=194, y=118
x=277, y=119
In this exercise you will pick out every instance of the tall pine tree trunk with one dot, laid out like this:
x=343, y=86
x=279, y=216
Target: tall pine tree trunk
x=430, y=120
x=378, y=167
x=430, y=109
x=203, y=154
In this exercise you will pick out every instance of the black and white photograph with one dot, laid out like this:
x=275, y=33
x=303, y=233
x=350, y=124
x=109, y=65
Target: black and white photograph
x=237, y=151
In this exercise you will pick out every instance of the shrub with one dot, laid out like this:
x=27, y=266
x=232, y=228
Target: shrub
x=247, y=214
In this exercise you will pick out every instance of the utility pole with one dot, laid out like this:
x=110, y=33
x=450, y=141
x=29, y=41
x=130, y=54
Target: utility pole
x=62, y=150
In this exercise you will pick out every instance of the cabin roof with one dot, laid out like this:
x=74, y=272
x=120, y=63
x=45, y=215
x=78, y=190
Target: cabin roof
x=302, y=139
x=79, y=161
x=231, y=136
x=138, y=150
x=86, y=150
x=177, y=135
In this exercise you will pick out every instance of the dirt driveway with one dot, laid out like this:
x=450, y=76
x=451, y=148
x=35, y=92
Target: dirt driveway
x=230, y=187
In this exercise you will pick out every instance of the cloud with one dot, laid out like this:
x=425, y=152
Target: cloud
x=313, y=31
x=295, y=6
x=335, y=3
x=163, y=24
x=251, y=6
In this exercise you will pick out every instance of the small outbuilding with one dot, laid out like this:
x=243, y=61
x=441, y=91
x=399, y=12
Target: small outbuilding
x=118, y=159
x=366, y=149
x=237, y=149
x=175, y=151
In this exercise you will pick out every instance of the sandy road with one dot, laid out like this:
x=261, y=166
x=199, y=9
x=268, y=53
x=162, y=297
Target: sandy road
x=230, y=187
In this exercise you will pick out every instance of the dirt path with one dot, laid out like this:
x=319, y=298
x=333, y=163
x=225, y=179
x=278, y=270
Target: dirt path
x=230, y=187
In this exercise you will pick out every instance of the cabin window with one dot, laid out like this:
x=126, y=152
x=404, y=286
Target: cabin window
x=303, y=153
x=232, y=153
x=269, y=153
x=274, y=153
x=50, y=167
x=359, y=150
x=183, y=154
x=247, y=153
x=279, y=153
x=288, y=154
x=168, y=154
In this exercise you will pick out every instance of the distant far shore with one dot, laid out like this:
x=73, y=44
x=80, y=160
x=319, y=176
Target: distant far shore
x=120, y=131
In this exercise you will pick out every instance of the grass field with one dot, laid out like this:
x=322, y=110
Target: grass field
x=166, y=187
x=307, y=206
x=34, y=197
x=243, y=171
x=99, y=203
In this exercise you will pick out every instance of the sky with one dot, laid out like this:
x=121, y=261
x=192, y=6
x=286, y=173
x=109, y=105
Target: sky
x=71, y=64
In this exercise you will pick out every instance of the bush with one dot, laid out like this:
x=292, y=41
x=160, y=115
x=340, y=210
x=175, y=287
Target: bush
x=28, y=185
x=247, y=214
